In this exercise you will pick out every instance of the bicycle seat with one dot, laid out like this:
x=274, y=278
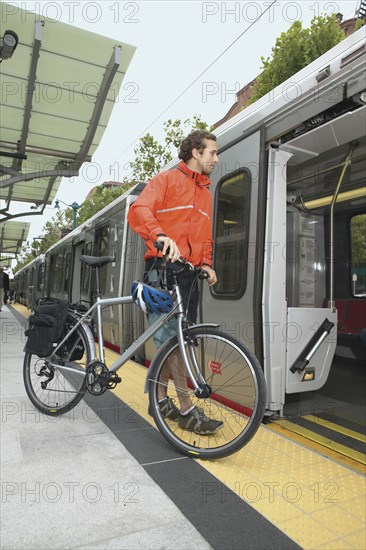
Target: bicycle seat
x=97, y=261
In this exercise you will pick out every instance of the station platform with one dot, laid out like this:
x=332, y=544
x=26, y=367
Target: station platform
x=102, y=476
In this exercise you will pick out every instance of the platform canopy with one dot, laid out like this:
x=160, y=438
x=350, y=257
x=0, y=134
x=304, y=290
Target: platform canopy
x=12, y=236
x=58, y=91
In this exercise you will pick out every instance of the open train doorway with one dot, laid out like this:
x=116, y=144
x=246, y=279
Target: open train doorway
x=326, y=217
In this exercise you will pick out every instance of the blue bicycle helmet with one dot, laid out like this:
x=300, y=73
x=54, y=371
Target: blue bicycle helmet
x=151, y=299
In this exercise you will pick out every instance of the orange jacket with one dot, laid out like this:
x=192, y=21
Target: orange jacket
x=178, y=204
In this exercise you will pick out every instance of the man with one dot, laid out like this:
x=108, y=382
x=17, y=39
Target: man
x=175, y=208
x=4, y=285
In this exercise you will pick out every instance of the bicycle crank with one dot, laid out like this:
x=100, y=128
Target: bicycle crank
x=99, y=379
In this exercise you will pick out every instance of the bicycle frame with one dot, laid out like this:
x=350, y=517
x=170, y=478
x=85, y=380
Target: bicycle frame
x=177, y=311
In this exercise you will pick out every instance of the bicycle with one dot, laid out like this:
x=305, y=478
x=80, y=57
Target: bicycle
x=224, y=379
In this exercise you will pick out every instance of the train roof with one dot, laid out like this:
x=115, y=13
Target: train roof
x=37, y=260
x=285, y=98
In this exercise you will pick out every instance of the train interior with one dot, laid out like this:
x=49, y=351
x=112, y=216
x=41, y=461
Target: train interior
x=327, y=167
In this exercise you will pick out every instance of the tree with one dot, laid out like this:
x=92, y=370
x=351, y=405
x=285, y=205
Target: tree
x=25, y=256
x=294, y=50
x=101, y=197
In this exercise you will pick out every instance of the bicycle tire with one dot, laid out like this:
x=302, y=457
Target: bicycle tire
x=66, y=388
x=238, y=393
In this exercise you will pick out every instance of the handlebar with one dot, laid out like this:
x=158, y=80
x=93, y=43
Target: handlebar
x=202, y=273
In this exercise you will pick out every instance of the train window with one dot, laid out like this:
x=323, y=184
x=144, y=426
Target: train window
x=231, y=235
x=45, y=275
x=58, y=268
x=52, y=276
x=67, y=271
x=40, y=276
x=358, y=252
x=102, y=249
x=85, y=269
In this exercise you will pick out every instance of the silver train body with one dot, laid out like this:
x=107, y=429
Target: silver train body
x=280, y=164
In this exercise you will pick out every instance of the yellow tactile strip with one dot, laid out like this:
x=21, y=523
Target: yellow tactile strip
x=22, y=310
x=315, y=501
x=318, y=503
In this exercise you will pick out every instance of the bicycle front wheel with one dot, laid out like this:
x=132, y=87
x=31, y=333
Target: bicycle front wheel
x=53, y=390
x=237, y=401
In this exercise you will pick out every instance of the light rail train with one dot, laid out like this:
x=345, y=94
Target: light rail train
x=289, y=214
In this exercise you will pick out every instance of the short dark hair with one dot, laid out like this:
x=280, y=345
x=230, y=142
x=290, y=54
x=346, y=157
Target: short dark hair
x=194, y=140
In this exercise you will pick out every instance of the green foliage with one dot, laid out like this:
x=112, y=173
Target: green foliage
x=325, y=33
x=359, y=23
x=25, y=256
x=358, y=232
x=294, y=50
x=150, y=156
x=101, y=197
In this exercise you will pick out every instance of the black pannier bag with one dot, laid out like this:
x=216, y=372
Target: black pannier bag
x=46, y=326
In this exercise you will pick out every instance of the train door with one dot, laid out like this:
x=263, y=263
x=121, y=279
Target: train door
x=75, y=295
x=236, y=188
x=132, y=320
x=51, y=275
x=31, y=287
x=101, y=248
x=40, y=277
x=298, y=332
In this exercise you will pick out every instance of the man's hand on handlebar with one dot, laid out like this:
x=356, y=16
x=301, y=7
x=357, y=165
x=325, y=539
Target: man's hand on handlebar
x=164, y=244
x=211, y=279
x=173, y=253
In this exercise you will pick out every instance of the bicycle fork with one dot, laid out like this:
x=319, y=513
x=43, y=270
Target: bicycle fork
x=200, y=386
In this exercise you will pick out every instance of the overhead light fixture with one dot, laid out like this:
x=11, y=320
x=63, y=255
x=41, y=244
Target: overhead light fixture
x=8, y=44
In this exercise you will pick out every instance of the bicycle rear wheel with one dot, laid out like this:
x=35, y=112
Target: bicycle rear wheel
x=237, y=399
x=52, y=390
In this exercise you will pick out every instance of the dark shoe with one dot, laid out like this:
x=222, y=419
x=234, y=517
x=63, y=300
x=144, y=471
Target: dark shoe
x=168, y=409
x=197, y=422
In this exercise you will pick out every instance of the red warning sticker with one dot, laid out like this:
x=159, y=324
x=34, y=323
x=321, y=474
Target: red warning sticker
x=215, y=367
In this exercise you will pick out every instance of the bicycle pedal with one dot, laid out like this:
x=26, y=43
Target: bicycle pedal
x=114, y=379
x=97, y=377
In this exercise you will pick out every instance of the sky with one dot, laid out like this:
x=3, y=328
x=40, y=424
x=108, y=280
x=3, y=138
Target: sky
x=212, y=48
